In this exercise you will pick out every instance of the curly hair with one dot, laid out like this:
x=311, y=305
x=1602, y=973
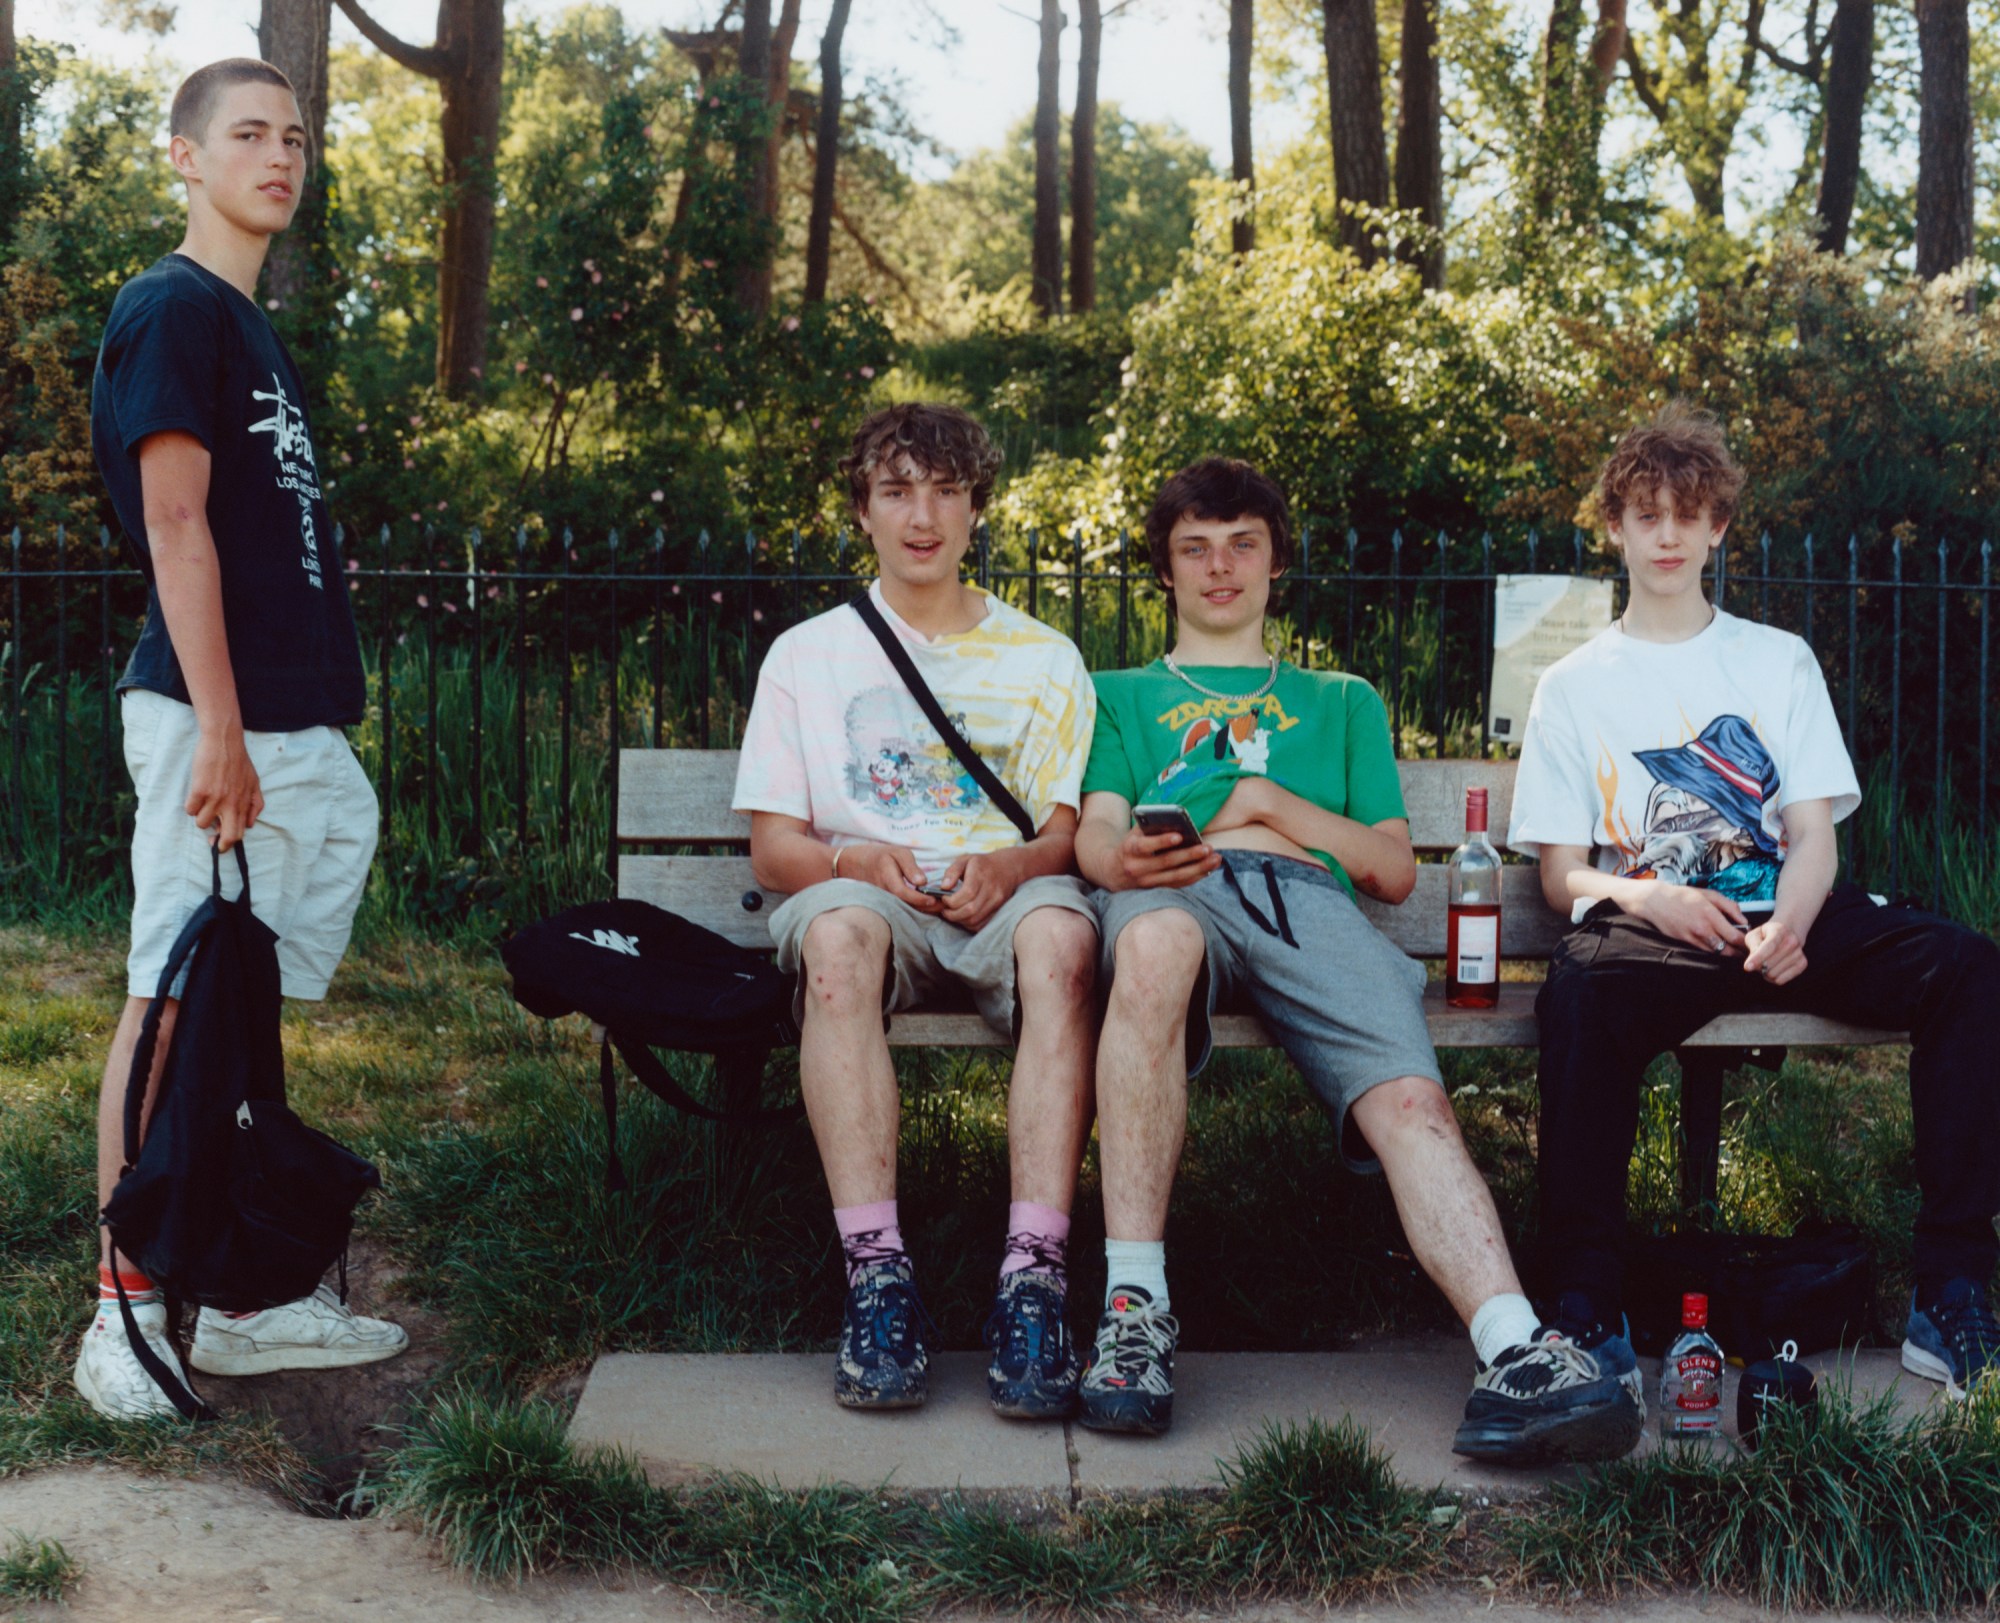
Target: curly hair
x=941, y=441
x=1216, y=488
x=1680, y=452
x=194, y=102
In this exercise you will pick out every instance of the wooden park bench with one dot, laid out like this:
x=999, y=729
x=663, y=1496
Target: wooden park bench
x=680, y=799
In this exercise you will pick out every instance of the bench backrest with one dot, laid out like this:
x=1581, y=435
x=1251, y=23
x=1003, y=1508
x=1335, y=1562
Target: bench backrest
x=681, y=798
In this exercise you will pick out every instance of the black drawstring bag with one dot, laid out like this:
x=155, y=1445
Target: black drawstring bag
x=231, y=1202
x=653, y=979
x=1815, y=1288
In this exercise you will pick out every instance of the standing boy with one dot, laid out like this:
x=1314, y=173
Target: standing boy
x=1291, y=778
x=246, y=670
x=906, y=879
x=1680, y=779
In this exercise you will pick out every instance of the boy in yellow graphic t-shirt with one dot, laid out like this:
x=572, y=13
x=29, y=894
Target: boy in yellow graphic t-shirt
x=906, y=879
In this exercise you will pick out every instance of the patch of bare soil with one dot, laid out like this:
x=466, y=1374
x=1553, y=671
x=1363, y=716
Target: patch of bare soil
x=342, y=1419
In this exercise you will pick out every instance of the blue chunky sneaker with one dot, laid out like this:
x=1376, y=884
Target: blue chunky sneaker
x=1128, y=1379
x=1034, y=1370
x=882, y=1362
x=1547, y=1401
x=1954, y=1339
x=1577, y=1321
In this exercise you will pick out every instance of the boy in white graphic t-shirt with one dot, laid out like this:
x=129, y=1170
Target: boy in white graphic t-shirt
x=1680, y=780
x=906, y=879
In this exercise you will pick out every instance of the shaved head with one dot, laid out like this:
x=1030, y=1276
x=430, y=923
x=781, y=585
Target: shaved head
x=195, y=102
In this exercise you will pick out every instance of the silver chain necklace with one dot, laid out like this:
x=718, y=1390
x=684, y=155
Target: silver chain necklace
x=1270, y=681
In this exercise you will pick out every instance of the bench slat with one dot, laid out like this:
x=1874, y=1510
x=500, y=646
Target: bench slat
x=710, y=890
x=681, y=797
x=1512, y=1025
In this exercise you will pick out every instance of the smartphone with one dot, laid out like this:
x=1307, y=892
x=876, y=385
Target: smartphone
x=1167, y=820
x=935, y=889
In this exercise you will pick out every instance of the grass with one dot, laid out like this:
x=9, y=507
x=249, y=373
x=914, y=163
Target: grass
x=1310, y=1512
x=35, y=1569
x=486, y=1125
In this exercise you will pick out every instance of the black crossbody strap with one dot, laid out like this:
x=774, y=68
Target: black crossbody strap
x=968, y=757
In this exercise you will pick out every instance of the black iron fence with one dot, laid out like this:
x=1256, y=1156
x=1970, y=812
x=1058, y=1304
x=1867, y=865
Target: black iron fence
x=506, y=674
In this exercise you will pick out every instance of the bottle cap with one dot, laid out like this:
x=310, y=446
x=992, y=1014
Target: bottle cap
x=1694, y=1311
x=1475, y=811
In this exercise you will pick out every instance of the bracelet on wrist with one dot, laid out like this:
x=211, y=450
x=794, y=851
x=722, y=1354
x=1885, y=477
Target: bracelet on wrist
x=836, y=862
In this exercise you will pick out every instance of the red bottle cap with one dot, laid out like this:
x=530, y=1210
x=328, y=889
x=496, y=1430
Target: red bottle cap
x=1694, y=1311
x=1475, y=811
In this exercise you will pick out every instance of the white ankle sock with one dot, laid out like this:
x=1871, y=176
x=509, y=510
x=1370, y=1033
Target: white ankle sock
x=1503, y=1322
x=1136, y=1262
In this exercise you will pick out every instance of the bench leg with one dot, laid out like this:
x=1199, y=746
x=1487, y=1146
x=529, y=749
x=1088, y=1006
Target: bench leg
x=1701, y=1130
x=739, y=1090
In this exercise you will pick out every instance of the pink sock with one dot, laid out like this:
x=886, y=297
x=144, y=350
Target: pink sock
x=1037, y=1237
x=868, y=1235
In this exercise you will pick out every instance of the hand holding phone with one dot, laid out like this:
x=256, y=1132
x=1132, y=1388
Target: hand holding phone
x=1165, y=819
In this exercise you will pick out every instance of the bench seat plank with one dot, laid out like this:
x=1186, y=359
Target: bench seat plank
x=1512, y=1025
x=710, y=890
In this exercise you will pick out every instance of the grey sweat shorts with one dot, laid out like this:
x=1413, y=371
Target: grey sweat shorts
x=926, y=954
x=1285, y=939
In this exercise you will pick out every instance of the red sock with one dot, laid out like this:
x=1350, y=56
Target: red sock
x=138, y=1288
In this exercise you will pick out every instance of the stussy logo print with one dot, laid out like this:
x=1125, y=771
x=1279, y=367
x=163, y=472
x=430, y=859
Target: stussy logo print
x=297, y=471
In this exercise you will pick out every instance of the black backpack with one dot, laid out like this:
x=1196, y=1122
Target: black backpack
x=1815, y=1287
x=653, y=979
x=231, y=1202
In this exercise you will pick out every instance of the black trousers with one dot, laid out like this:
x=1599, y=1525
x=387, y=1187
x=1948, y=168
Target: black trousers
x=1619, y=994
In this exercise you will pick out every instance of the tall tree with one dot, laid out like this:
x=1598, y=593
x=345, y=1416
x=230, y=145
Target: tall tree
x=1046, y=264
x=292, y=37
x=1852, y=53
x=1420, y=140
x=13, y=180
x=1354, y=104
x=826, y=155
x=1944, y=138
x=467, y=60
x=753, y=161
x=1242, y=164
x=1083, y=159
x=1694, y=93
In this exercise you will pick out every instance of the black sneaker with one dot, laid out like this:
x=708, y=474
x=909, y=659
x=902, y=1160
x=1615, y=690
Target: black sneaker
x=882, y=1362
x=1128, y=1379
x=1034, y=1370
x=1547, y=1401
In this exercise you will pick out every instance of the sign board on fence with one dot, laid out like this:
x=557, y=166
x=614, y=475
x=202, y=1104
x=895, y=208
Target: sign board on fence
x=1536, y=620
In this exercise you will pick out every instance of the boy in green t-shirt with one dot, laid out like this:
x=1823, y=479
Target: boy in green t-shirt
x=1291, y=778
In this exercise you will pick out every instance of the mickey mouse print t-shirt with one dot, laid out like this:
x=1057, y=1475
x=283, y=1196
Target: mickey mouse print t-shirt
x=835, y=740
x=1675, y=761
x=1324, y=735
x=185, y=351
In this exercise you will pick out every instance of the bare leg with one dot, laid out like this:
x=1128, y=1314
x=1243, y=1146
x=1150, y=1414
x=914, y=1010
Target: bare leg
x=111, y=1099
x=1447, y=1210
x=1142, y=1071
x=845, y=1073
x=1049, y=1101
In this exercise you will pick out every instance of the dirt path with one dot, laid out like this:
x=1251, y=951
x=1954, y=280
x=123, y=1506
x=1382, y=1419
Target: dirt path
x=159, y=1550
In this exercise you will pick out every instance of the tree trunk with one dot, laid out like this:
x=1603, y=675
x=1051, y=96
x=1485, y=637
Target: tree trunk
x=1944, y=138
x=778, y=93
x=292, y=37
x=13, y=182
x=1852, y=47
x=1083, y=159
x=1354, y=100
x=1046, y=268
x=826, y=155
x=1420, y=140
x=753, y=62
x=1609, y=45
x=467, y=61
x=1242, y=166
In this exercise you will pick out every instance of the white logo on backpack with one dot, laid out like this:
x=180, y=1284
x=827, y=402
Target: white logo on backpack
x=610, y=940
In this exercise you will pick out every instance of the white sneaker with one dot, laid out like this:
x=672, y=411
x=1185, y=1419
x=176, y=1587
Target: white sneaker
x=109, y=1374
x=315, y=1332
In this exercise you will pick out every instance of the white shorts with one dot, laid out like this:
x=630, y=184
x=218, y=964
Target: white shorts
x=308, y=854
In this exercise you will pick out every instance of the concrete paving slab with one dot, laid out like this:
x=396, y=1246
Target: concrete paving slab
x=1409, y=1395
x=772, y=1415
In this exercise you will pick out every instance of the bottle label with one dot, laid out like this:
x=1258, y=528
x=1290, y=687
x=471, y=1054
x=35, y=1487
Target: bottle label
x=1478, y=951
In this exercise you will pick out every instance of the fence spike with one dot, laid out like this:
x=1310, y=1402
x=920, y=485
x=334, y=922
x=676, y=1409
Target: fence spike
x=659, y=540
x=701, y=541
x=749, y=542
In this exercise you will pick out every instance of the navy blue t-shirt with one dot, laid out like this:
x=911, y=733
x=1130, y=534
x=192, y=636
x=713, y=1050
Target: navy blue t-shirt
x=186, y=351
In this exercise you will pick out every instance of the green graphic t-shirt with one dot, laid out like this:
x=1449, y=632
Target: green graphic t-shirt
x=1324, y=735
